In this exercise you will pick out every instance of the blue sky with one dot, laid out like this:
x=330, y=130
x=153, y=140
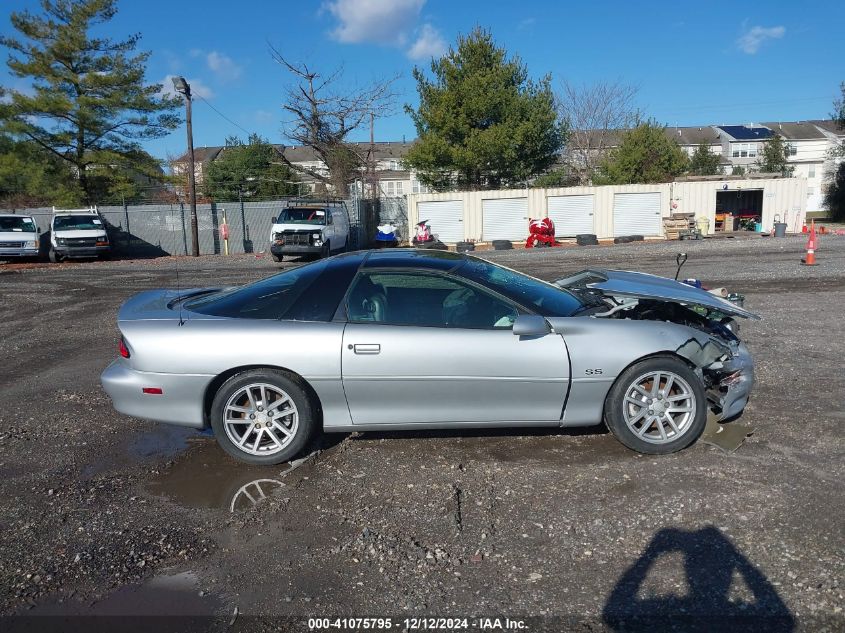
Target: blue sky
x=694, y=63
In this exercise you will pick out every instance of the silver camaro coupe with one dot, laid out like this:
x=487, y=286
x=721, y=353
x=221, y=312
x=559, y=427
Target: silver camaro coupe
x=419, y=339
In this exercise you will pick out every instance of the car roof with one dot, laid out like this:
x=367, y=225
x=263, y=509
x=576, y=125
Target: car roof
x=413, y=258
x=15, y=215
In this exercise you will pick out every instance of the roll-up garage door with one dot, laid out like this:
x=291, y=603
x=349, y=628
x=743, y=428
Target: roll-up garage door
x=445, y=218
x=572, y=215
x=637, y=214
x=504, y=219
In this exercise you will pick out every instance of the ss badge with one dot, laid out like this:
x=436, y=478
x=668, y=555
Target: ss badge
x=593, y=372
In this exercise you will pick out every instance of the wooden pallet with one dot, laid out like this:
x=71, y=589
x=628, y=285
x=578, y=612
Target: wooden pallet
x=673, y=225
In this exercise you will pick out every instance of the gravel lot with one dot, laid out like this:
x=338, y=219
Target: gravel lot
x=103, y=514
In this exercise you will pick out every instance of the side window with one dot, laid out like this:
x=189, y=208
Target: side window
x=270, y=298
x=426, y=300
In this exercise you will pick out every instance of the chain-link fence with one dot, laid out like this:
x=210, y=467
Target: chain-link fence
x=165, y=229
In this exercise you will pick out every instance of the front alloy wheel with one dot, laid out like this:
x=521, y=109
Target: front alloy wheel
x=657, y=406
x=262, y=417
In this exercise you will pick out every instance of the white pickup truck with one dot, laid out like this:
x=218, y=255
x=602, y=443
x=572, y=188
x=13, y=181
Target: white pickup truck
x=19, y=236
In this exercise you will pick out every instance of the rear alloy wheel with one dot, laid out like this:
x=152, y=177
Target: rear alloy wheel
x=262, y=416
x=657, y=406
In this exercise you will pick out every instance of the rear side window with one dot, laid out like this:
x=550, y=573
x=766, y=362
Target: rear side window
x=269, y=298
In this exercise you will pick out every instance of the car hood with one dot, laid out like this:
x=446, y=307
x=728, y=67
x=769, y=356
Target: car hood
x=315, y=228
x=623, y=283
x=80, y=233
x=17, y=236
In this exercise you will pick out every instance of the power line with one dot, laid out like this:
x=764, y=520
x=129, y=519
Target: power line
x=247, y=132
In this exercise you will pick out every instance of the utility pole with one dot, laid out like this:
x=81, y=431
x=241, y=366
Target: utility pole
x=184, y=88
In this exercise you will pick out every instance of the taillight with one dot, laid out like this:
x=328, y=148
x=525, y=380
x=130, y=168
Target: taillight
x=121, y=347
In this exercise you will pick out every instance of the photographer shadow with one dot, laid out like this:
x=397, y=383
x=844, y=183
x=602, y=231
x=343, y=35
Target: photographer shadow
x=715, y=572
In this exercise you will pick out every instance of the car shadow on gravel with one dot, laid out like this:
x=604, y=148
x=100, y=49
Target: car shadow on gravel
x=721, y=589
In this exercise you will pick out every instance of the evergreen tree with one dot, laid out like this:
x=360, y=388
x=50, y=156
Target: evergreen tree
x=91, y=106
x=252, y=169
x=774, y=159
x=644, y=155
x=704, y=162
x=481, y=122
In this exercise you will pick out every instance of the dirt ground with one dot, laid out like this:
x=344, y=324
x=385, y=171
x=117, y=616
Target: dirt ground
x=559, y=530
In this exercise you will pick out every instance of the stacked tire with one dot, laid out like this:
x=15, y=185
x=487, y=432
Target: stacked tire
x=586, y=239
x=625, y=239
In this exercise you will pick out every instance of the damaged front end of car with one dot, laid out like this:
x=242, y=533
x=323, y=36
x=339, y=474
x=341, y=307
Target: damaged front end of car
x=720, y=358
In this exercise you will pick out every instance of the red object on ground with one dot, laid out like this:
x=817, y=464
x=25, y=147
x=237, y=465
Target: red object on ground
x=541, y=231
x=804, y=229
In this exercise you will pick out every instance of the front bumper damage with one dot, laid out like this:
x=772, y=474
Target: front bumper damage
x=729, y=383
x=727, y=370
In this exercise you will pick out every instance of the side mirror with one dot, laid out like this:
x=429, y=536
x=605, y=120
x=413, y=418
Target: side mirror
x=273, y=219
x=531, y=325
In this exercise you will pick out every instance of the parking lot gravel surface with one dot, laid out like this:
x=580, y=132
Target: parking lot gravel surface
x=563, y=524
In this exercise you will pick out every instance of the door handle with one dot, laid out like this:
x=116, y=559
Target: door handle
x=367, y=348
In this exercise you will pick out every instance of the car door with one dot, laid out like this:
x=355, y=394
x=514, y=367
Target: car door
x=423, y=347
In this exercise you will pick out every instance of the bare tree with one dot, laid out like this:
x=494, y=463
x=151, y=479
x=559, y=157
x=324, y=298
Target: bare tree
x=323, y=115
x=595, y=115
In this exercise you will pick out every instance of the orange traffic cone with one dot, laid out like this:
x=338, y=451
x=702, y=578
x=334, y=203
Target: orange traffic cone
x=810, y=258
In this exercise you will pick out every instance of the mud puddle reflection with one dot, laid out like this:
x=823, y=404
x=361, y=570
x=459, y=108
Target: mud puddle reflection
x=205, y=477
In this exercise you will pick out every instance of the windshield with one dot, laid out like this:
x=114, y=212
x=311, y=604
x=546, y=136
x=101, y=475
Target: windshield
x=23, y=225
x=539, y=296
x=302, y=216
x=77, y=222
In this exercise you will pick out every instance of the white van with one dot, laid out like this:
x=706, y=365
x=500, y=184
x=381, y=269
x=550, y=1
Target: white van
x=18, y=236
x=310, y=229
x=78, y=233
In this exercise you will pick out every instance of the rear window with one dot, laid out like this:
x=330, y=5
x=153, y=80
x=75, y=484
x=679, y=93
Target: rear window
x=17, y=225
x=270, y=298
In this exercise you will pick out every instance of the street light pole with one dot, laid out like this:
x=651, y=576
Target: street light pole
x=184, y=88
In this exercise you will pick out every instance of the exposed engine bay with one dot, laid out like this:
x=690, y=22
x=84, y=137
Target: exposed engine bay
x=723, y=361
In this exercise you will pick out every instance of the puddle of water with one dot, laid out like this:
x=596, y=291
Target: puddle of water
x=162, y=440
x=176, y=597
x=208, y=478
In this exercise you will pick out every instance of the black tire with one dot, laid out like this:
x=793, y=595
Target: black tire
x=586, y=242
x=326, y=251
x=277, y=258
x=637, y=238
x=282, y=381
x=54, y=257
x=587, y=237
x=622, y=239
x=502, y=245
x=614, y=415
x=464, y=247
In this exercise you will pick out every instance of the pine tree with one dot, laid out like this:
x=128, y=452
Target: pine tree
x=481, y=122
x=91, y=106
x=704, y=162
x=644, y=155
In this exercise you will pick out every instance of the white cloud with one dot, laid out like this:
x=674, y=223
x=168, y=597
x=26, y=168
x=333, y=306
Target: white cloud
x=198, y=88
x=752, y=39
x=377, y=21
x=429, y=43
x=223, y=66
